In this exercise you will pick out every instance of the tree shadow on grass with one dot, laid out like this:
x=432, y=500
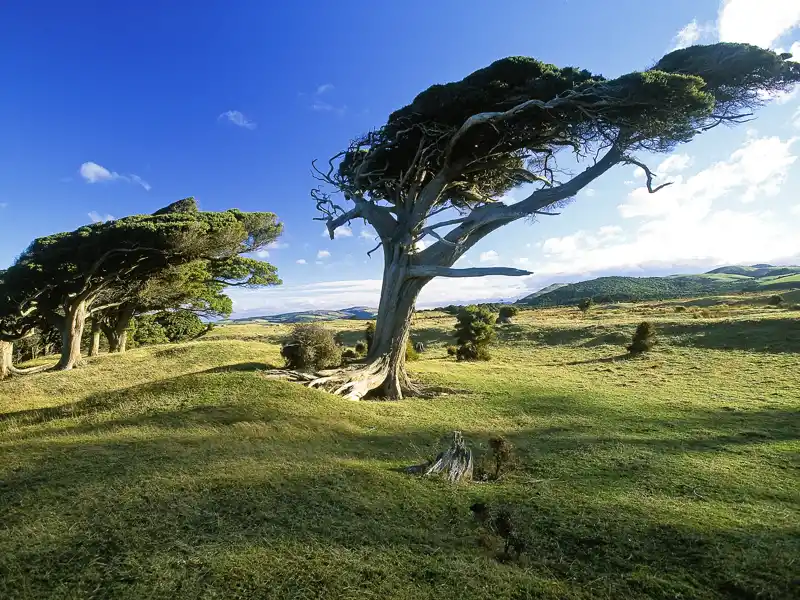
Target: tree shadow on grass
x=758, y=335
x=208, y=514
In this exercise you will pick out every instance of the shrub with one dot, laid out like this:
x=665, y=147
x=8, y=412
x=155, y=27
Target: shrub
x=180, y=325
x=361, y=348
x=451, y=350
x=775, y=300
x=311, y=346
x=507, y=313
x=502, y=455
x=680, y=309
x=350, y=354
x=643, y=339
x=793, y=307
x=146, y=331
x=474, y=332
x=585, y=304
x=369, y=334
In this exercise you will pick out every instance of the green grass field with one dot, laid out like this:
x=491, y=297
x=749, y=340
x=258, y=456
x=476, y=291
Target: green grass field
x=182, y=472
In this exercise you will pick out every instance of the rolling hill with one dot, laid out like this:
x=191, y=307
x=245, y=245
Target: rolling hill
x=723, y=280
x=354, y=312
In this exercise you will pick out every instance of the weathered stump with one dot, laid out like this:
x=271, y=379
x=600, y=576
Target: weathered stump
x=455, y=463
x=419, y=347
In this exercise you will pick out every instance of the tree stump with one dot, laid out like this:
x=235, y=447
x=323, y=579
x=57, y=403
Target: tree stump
x=455, y=463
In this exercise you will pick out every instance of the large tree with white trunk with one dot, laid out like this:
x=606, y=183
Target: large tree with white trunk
x=440, y=167
x=67, y=277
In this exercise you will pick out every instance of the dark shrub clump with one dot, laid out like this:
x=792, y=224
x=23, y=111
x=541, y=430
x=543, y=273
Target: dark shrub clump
x=311, y=346
x=643, y=339
x=584, y=305
x=369, y=334
x=361, y=348
x=506, y=314
x=474, y=333
x=452, y=351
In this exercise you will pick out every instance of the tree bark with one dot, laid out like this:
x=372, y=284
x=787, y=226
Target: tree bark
x=116, y=331
x=94, y=349
x=384, y=371
x=71, y=334
x=6, y=352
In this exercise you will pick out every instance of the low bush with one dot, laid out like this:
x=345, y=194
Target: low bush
x=680, y=309
x=643, y=339
x=411, y=352
x=502, y=455
x=507, y=313
x=369, y=334
x=311, y=346
x=775, y=300
x=361, y=348
x=585, y=304
x=451, y=350
x=474, y=333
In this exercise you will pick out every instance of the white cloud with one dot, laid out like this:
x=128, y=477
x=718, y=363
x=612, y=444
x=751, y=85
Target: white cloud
x=674, y=163
x=277, y=246
x=367, y=234
x=589, y=192
x=522, y=261
x=325, y=87
x=759, y=22
x=238, y=119
x=340, y=232
x=96, y=217
x=796, y=119
x=756, y=170
x=94, y=173
x=689, y=35
x=489, y=256
x=262, y=254
x=301, y=261
x=323, y=254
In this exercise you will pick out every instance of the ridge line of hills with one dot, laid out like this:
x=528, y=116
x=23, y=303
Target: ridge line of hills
x=723, y=280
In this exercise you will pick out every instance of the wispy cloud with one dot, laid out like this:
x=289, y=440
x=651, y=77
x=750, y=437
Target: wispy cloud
x=96, y=217
x=277, y=246
x=489, y=256
x=324, y=88
x=238, y=119
x=262, y=254
x=691, y=34
x=341, y=232
x=94, y=173
x=301, y=261
x=318, y=104
x=323, y=254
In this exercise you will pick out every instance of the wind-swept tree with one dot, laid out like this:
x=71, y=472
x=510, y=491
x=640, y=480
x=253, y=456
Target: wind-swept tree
x=458, y=148
x=69, y=276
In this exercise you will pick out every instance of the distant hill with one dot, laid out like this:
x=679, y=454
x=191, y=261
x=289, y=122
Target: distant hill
x=355, y=312
x=722, y=280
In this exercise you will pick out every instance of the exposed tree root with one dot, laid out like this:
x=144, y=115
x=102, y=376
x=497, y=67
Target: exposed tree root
x=355, y=382
x=30, y=370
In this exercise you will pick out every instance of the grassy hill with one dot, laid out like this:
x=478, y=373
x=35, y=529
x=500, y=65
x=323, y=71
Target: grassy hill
x=724, y=280
x=355, y=312
x=182, y=472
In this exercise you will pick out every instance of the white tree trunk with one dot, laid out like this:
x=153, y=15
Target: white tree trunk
x=6, y=352
x=71, y=334
x=94, y=349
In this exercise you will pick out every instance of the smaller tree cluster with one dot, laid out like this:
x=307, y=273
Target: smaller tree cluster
x=507, y=313
x=474, y=332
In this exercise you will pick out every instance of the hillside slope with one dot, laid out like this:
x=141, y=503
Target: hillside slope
x=354, y=312
x=724, y=280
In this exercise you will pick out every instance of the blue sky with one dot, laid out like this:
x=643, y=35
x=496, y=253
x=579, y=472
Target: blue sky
x=110, y=109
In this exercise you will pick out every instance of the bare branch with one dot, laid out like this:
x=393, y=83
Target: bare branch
x=439, y=271
x=650, y=175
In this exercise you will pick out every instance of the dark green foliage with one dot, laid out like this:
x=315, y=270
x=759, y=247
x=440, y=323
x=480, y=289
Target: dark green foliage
x=350, y=354
x=452, y=350
x=145, y=330
x=680, y=309
x=775, y=300
x=643, y=339
x=684, y=93
x=180, y=325
x=502, y=455
x=311, y=346
x=474, y=332
x=361, y=348
x=507, y=312
x=585, y=304
x=369, y=334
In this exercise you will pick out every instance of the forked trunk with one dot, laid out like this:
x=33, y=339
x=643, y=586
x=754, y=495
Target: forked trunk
x=116, y=330
x=6, y=352
x=94, y=349
x=71, y=334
